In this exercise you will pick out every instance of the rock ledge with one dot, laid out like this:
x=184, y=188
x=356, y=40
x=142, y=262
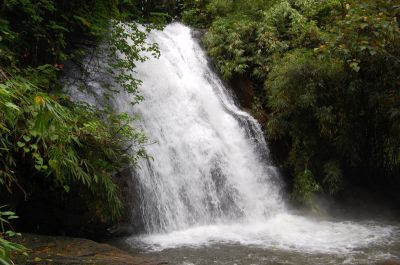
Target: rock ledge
x=72, y=251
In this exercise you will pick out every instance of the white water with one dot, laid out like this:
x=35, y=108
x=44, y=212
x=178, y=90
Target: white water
x=283, y=231
x=209, y=157
x=211, y=180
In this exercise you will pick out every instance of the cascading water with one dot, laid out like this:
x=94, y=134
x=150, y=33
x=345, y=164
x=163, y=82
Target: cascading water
x=211, y=180
x=209, y=157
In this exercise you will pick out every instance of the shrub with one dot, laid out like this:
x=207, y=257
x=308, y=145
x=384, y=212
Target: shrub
x=8, y=248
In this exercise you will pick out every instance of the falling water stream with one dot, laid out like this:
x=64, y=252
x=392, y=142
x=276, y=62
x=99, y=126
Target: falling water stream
x=211, y=195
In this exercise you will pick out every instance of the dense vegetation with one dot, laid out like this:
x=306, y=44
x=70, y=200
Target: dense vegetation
x=7, y=248
x=330, y=72
x=327, y=74
x=53, y=149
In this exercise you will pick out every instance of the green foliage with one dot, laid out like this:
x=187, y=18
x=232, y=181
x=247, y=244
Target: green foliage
x=7, y=248
x=307, y=114
x=248, y=43
x=347, y=83
x=47, y=139
x=195, y=13
x=331, y=73
x=305, y=186
x=220, y=8
x=128, y=40
x=63, y=141
x=232, y=43
x=201, y=13
x=318, y=11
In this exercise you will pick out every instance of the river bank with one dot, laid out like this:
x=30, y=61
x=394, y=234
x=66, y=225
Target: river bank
x=71, y=251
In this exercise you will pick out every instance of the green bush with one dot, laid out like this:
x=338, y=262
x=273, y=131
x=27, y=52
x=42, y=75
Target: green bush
x=195, y=13
x=62, y=141
x=220, y=8
x=231, y=42
x=45, y=138
x=8, y=248
x=302, y=93
x=341, y=97
x=330, y=70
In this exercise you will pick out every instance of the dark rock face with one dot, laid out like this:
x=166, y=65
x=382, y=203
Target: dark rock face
x=131, y=221
x=244, y=90
x=71, y=251
x=53, y=212
x=198, y=34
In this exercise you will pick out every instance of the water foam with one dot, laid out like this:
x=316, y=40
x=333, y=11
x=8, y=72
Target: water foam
x=283, y=231
x=211, y=180
x=210, y=158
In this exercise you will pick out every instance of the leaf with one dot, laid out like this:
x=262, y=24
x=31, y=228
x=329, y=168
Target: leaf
x=20, y=144
x=66, y=188
x=13, y=217
x=354, y=66
x=53, y=163
x=12, y=106
x=39, y=100
x=82, y=20
x=8, y=213
x=58, y=27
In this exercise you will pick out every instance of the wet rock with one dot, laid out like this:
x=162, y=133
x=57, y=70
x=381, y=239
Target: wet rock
x=131, y=221
x=198, y=34
x=71, y=251
x=244, y=90
x=121, y=230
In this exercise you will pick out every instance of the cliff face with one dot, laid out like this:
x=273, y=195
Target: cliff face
x=244, y=90
x=131, y=221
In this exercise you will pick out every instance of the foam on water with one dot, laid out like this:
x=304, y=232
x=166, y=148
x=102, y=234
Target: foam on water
x=210, y=158
x=211, y=180
x=283, y=231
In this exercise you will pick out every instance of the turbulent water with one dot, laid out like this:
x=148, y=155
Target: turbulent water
x=210, y=195
x=210, y=158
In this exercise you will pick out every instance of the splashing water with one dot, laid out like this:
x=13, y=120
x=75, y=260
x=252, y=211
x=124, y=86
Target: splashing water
x=211, y=180
x=209, y=156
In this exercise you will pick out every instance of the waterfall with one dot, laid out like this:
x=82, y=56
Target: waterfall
x=210, y=178
x=211, y=162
